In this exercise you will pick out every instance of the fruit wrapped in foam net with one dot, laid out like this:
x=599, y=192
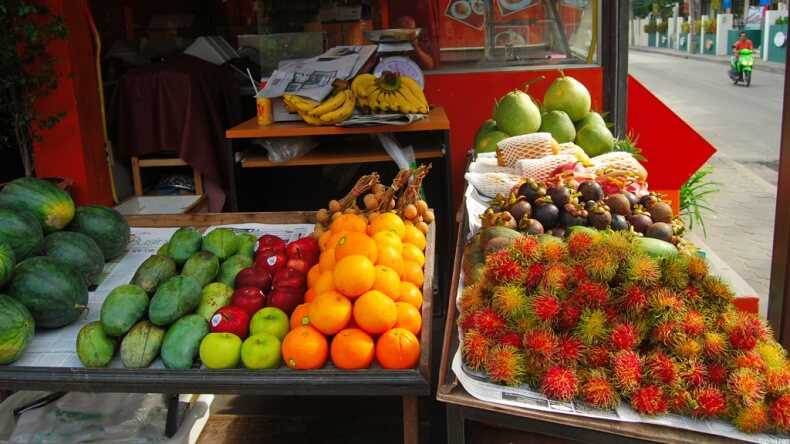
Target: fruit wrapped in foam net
x=491, y=184
x=576, y=151
x=527, y=146
x=489, y=165
x=543, y=168
x=618, y=161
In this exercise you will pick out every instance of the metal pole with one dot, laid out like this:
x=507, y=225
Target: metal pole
x=614, y=60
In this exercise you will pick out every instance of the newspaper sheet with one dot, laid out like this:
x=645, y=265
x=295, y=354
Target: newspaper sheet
x=56, y=348
x=381, y=119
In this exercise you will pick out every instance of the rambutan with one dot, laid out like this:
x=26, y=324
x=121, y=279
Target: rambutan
x=777, y=382
x=486, y=321
x=597, y=391
x=742, y=337
x=642, y=269
x=694, y=323
x=779, y=412
x=592, y=294
x=535, y=274
x=674, y=272
x=560, y=383
x=569, y=350
x=570, y=314
x=679, y=400
x=746, y=386
x=686, y=347
x=694, y=373
x=623, y=337
x=501, y=268
x=620, y=244
x=546, y=307
x=505, y=365
x=649, y=400
x=511, y=338
x=475, y=348
x=692, y=295
x=750, y=360
x=472, y=298
x=634, y=298
x=709, y=402
x=752, y=419
x=601, y=265
x=526, y=250
x=580, y=243
x=553, y=250
x=580, y=273
x=773, y=354
x=714, y=344
x=716, y=290
x=664, y=304
x=541, y=342
x=509, y=300
x=696, y=267
x=665, y=332
x=626, y=370
x=661, y=368
x=592, y=326
x=557, y=277
x=597, y=357
x=717, y=373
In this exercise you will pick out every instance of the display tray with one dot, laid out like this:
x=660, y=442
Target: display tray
x=282, y=381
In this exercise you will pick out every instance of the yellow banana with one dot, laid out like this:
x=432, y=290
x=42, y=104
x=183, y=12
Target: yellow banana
x=360, y=84
x=310, y=119
x=332, y=103
x=362, y=102
x=415, y=89
x=404, y=105
x=343, y=112
x=414, y=101
x=300, y=103
x=373, y=98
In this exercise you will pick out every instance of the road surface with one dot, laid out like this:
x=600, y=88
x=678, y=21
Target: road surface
x=743, y=124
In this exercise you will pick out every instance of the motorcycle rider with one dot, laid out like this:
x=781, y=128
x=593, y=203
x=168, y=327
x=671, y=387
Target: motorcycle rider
x=743, y=42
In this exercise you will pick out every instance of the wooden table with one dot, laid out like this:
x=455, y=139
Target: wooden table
x=407, y=384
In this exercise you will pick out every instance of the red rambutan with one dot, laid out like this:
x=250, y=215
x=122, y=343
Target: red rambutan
x=509, y=300
x=597, y=357
x=692, y=295
x=634, y=298
x=501, y=268
x=694, y=323
x=626, y=370
x=752, y=419
x=665, y=332
x=511, y=338
x=742, y=337
x=557, y=277
x=546, y=307
x=694, y=373
x=717, y=373
x=623, y=337
x=472, y=298
x=527, y=249
x=475, y=348
x=709, y=402
x=661, y=368
x=746, y=386
x=592, y=294
x=570, y=313
x=560, y=383
x=779, y=412
x=541, y=342
x=570, y=350
x=486, y=321
x=505, y=365
x=679, y=400
x=750, y=360
x=714, y=344
x=580, y=243
x=535, y=274
x=601, y=265
x=599, y=392
x=697, y=267
x=649, y=400
x=553, y=250
x=579, y=273
x=777, y=382
x=642, y=269
x=665, y=304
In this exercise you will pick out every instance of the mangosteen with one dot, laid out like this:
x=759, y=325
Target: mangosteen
x=521, y=208
x=660, y=230
x=589, y=205
x=661, y=212
x=600, y=216
x=591, y=190
x=507, y=220
x=640, y=220
x=572, y=215
x=619, y=222
x=631, y=197
x=648, y=200
x=545, y=212
x=619, y=204
x=530, y=226
x=560, y=195
x=531, y=190
x=557, y=232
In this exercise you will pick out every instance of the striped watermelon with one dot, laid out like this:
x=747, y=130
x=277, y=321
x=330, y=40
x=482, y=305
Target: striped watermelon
x=16, y=329
x=7, y=262
x=53, y=207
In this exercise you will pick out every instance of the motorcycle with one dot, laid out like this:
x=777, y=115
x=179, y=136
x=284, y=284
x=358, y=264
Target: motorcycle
x=741, y=67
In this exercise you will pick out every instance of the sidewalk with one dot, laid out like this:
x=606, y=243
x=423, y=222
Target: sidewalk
x=760, y=65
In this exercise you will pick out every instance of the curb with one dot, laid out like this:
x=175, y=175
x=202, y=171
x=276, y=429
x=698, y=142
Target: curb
x=710, y=59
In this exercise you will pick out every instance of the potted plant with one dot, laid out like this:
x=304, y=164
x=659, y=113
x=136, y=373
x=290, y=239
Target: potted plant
x=27, y=73
x=683, y=41
x=709, y=42
x=663, y=37
x=650, y=30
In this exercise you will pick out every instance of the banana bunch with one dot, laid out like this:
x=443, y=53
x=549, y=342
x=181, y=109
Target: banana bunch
x=335, y=109
x=391, y=92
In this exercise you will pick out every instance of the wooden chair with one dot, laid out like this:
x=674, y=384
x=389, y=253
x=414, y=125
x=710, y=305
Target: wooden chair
x=138, y=163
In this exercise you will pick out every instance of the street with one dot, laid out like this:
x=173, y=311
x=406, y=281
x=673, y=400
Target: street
x=743, y=124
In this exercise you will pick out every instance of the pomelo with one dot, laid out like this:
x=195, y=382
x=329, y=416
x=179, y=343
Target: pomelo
x=487, y=143
x=591, y=118
x=595, y=140
x=569, y=95
x=517, y=114
x=559, y=125
x=485, y=128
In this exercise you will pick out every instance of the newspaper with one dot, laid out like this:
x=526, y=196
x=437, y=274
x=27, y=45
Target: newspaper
x=313, y=78
x=358, y=120
x=57, y=347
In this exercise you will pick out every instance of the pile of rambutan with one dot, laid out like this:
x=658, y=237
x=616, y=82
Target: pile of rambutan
x=597, y=318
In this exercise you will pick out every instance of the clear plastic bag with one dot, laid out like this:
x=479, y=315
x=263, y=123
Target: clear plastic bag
x=283, y=149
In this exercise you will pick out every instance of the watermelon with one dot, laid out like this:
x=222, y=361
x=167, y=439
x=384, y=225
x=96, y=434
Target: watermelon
x=52, y=206
x=105, y=226
x=7, y=262
x=54, y=293
x=21, y=231
x=16, y=329
x=76, y=250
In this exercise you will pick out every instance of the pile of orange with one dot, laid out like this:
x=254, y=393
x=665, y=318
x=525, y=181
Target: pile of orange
x=363, y=299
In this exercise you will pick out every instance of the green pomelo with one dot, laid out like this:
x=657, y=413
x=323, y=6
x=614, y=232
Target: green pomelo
x=595, y=140
x=569, y=95
x=559, y=125
x=517, y=114
x=487, y=144
x=485, y=128
x=591, y=118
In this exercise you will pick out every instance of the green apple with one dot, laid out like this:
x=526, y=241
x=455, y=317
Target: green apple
x=270, y=320
x=220, y=350
x=261, y=351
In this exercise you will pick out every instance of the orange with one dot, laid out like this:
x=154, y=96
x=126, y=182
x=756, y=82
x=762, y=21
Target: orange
x=412, y=235
x=387, y=222
x=329, y=312
x=325, y=282
x=299, y=317
x=387, y=281
x=312, y=275
x=352, y=348
x=398, y=349
x=354, y=275
x=392, y=258
x=388, y=239
x=305, y=348
x=356, y=243
x=323, y=240
x=349, y=222
x=409, y=318
x=413, y=254
x=412, y=272
x=410, y=294
x=332, y=242
x=326, y=262
x=309, y=295
x=375, y=312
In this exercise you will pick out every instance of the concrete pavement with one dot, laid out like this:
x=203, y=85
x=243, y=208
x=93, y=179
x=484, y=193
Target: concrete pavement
x=760, y=65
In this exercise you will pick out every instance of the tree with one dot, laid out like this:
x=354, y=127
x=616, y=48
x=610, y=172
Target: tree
x=659, y=8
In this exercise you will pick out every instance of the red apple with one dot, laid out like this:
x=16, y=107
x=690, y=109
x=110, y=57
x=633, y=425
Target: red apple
x=288, y=278
x=298, y=265
x=270, y=260
x=286, y=298
x=249, y=299
x=254, y=277
x=231, y=319
x=305, y=248
x=271, y=242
